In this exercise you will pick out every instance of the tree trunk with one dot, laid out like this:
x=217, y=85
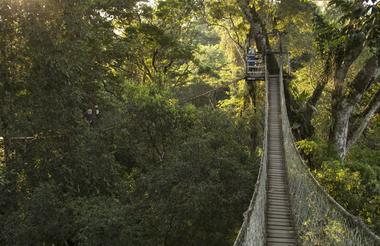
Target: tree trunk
x=252, y=91
x=344, y=105
x=351, y=52
x=259, y=34
x=373, y=107
x=307, y=128
x=342, y=119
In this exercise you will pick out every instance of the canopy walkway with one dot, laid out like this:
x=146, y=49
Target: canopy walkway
x=289, y=207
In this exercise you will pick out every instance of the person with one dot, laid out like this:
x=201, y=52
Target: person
x=97, y=111
x=89, y=116
x=250, y=59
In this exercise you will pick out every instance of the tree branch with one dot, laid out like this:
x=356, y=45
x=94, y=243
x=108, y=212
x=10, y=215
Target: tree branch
x=256, y=25
x=181, y=76
x=352, y=49
x=154, y=57
x=167, y=66
x=363, y=80
x=146, y=69
x=235, y=29
x=258, y=32
x=313, y=100
x=373, y=106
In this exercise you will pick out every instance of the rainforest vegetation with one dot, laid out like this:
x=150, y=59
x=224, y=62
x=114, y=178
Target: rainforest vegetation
x=130, y=122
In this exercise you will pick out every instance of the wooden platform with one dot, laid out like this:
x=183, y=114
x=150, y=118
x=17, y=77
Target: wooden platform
x=280, y=227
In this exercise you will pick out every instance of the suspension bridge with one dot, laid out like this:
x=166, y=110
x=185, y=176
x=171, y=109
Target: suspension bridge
x=289, y=207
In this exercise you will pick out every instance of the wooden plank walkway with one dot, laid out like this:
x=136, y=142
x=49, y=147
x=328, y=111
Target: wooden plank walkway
x=280, y=227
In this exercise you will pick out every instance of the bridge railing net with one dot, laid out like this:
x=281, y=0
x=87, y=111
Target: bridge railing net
x=318, y=218
x=252, y=231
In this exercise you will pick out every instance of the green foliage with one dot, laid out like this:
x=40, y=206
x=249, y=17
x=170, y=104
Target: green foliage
x=342, y=183
x=149, y=171
x=327, y=35
x=354, y=184
x=178, y=176
x=360, y=17
x=307, y=147
x=153, y=169
x=365, y=158
x=153, y=178
x=100, y=221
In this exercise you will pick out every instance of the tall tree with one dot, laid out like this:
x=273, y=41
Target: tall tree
x=354, y=39
x=160, y=42
x=342, y=46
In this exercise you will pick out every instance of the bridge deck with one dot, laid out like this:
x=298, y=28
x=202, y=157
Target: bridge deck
x=280, y=227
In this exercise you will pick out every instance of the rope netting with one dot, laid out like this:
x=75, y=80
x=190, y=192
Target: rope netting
x=319, y=219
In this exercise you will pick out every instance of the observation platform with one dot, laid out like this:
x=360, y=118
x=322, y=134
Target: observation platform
x=255, y=68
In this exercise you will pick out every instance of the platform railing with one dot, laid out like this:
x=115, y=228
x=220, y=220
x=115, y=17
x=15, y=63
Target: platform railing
x=255, y=67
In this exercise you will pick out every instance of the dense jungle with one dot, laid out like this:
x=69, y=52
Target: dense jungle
x=132, y=122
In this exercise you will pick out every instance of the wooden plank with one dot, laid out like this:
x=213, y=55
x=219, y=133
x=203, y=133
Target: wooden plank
x=282, y=194
x=275, y=179
x=280, y=227
x=279, y=186
x=279, y=221
x=281, y=234
x=277, y=174
x=279, y=213
x=278, y=216
x=280, y=244
x=282, y=197
x=281, y=231
x=278, y=196
x=283, y=224
x=279, y=208
x=281, y=240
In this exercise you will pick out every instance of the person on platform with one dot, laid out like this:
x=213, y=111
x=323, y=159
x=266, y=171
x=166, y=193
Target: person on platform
x=250, y=60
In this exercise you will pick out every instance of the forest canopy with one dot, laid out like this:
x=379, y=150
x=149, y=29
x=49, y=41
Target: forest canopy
x=132, y=122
